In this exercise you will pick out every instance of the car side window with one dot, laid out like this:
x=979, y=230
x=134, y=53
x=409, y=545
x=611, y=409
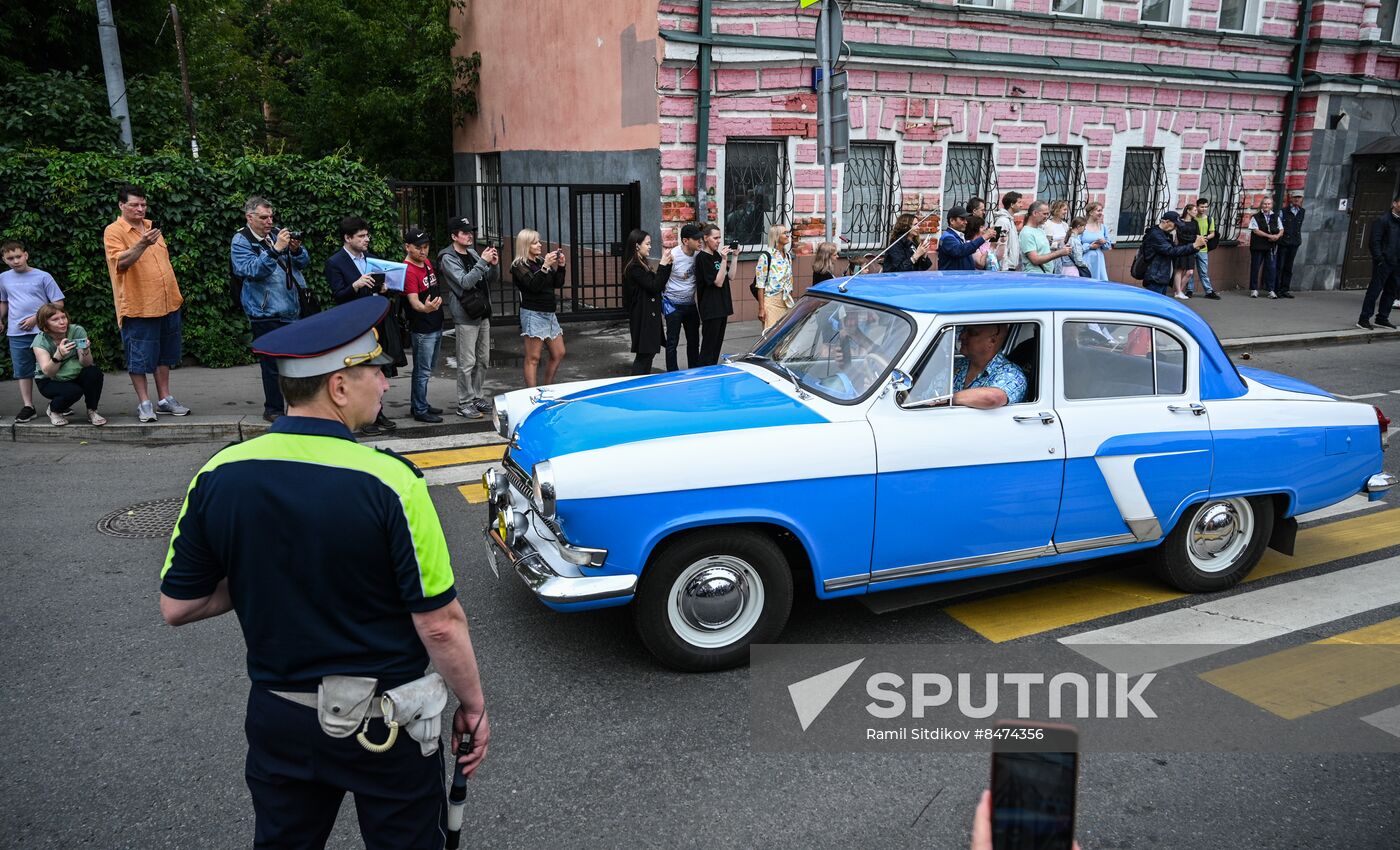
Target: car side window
x=943, y=366
x=1112, y=360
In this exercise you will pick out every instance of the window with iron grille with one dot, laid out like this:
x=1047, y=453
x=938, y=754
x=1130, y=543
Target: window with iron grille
x=968, y=173
x=488, y=172
x=1062, y=177
x=756, y=184
x=869, y=195
x=1144, y=194
x=1221, y=185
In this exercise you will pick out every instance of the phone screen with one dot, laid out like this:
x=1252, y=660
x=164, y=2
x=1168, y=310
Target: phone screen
x=1033, y=793
x=378, y=279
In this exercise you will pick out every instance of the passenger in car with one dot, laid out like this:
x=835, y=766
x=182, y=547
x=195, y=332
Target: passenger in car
x=985, y=378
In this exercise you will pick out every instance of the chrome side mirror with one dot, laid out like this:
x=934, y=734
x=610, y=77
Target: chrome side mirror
x=899, y=381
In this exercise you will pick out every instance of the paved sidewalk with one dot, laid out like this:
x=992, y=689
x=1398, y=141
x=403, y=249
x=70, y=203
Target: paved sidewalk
x=227, y=403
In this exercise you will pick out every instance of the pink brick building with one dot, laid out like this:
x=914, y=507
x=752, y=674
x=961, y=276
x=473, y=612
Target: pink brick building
x=1138, y=104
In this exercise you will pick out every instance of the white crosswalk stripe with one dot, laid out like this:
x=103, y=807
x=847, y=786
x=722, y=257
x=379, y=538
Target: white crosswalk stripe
x=1186, y=634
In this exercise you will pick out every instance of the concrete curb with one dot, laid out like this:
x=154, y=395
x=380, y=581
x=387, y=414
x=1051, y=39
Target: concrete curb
x=200, y=430
x=1307, y=340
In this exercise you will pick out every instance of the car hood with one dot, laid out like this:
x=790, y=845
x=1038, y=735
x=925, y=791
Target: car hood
x=1281, y=382
x=715, y=398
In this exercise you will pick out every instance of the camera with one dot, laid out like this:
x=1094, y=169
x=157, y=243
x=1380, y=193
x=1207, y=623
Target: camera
x=734, y=244
x=294, y=234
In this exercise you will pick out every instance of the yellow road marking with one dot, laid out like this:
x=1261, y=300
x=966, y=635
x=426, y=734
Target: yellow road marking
x=1307, y=679
x=1041, y=609
x=473, y=493
x=454, y=457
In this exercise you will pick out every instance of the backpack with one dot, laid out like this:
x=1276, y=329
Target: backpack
x=1139, y=267
x=754, y=289
x=475, y=302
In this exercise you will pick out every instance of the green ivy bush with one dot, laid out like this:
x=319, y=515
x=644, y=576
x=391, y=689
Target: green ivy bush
x=58, y=203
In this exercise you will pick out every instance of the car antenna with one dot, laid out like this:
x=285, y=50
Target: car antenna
x=841, y=287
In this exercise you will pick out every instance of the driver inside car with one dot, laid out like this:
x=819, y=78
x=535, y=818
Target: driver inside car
x=859, y=365
x=985, y=378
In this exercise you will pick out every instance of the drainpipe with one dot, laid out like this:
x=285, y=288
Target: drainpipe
x=702, y=116
x=1290, y=115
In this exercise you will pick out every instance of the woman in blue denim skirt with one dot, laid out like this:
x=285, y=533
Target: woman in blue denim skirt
x=537, y=275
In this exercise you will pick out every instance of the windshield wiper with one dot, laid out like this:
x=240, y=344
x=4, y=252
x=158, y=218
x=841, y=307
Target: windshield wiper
x=779, y=368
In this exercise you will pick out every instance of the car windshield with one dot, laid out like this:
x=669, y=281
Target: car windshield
x=835, y=348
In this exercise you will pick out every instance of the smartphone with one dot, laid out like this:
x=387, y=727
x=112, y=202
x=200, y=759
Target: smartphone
x=378, y=280
x=154, y=226
x=1035, y=768
x=80, y=343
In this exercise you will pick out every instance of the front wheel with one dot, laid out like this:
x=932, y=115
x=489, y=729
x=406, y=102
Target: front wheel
x=707, y=597
x=1216, y=543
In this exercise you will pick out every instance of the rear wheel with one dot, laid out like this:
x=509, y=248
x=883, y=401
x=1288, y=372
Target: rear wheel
x=708, y=596
x=1216, y=543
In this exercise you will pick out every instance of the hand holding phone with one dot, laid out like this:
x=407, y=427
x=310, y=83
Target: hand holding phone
x=1034, y=772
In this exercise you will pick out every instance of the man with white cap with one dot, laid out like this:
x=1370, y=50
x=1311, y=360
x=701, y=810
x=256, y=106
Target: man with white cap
x=333, y=558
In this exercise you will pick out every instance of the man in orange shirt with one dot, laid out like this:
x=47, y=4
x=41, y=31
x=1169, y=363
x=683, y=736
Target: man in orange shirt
x=147, y=299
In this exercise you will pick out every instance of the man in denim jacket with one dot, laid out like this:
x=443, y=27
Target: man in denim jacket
x=269, y=263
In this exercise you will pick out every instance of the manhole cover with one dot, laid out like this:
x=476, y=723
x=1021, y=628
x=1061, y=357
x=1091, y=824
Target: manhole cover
x=146, y=520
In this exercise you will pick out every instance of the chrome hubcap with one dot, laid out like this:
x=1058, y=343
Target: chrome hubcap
x=713, y=597
x=716, y=601
x=1220, y=534
x=1214, y=529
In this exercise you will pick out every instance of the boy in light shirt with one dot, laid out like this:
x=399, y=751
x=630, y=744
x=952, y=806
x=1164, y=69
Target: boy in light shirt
x=23, y=290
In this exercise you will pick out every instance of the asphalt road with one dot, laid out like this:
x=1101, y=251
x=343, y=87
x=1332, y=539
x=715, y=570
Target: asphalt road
x=125, y=733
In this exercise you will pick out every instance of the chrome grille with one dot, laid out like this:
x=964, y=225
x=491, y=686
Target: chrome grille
x=518, y=477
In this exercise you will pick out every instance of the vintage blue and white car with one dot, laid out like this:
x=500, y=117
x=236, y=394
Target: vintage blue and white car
x=839, y=449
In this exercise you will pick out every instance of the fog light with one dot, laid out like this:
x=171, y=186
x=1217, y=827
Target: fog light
x=511, y=525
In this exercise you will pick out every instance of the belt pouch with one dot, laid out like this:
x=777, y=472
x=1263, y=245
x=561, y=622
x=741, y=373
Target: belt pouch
x=342, y=703
x=417, y=707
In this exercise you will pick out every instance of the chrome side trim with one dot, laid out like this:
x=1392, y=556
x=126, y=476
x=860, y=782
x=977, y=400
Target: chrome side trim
x=1095, y=543
x=969, y=563
x=1145, y=529
x=846, y=581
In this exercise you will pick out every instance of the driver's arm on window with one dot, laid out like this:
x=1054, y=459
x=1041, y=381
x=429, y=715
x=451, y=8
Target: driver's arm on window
x=983, y=398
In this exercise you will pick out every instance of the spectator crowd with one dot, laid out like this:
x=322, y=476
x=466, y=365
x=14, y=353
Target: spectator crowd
x=687, y=294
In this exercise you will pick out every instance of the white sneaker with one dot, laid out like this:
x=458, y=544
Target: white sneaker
x=1253, y=293
x=1273, y=294
x=146, y=412
x=1180, y=297
x=171, y=406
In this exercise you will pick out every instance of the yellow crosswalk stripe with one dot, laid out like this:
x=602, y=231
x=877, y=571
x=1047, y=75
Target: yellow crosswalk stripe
x=1307, y=679
x=454, y=457
x=1040, y=609
x=473, y=493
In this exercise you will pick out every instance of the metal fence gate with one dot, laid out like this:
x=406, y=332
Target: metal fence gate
x=588, y=222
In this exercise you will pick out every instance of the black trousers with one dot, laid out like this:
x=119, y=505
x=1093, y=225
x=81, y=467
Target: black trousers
x=1381, y=294
x=641, y=363
x=1286, y=255
x=64, y=394
x=298, y=776
x=687, y=317
x=272, y=394
x=712, y=339
x=1261, y=262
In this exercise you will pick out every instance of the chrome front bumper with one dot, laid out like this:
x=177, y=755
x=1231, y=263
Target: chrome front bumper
x=539, y=559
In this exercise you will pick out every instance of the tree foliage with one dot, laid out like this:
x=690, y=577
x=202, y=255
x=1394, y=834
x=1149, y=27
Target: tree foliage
x=57, y=204
x=371, y=79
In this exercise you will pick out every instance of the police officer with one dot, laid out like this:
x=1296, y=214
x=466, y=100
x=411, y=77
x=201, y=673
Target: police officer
x=333, y=558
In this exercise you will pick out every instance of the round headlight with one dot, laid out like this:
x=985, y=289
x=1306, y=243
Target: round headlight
x=511, y=525
x=542, y=482
x=494, y=483
x=500, y=416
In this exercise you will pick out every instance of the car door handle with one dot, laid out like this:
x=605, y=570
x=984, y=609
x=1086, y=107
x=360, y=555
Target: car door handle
x=1197, y=409
x=1044, y=417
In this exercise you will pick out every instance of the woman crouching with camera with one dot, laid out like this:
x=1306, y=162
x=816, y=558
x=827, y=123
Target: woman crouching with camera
x=63, y=356
x=537, y=275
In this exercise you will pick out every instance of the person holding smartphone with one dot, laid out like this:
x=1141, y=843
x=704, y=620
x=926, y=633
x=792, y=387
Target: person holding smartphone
x=66, y=372
x=349, y=277
x=538, y=274
x=641, y=297
x=714, y=266
x=420, y=286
